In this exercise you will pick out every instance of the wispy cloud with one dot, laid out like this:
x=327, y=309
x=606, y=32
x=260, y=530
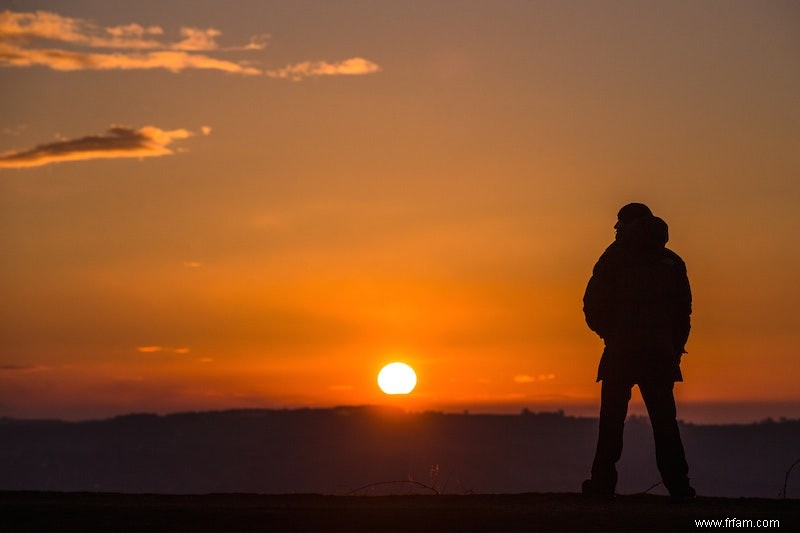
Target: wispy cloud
x=118, y=142
x=159, y=349
x=26, y=28
x=15, y=130
x=354, y=66
x=526, y=378
x=65, y=60
x=43, y=25
x=150, y=349
x=10, y=370
x=69, y=44
x=198, y=40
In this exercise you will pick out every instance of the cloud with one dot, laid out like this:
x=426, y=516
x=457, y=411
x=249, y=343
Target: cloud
x=15, y=130
x=354, y=66
x=14, y=368
x=257, y=42
x=195, y=39
x=118, y=142
x=133, y=31
x=43, y=25
x=137, y=47
x=65, y=60
x=158, y=349
x=150, y=349
x=525, y=378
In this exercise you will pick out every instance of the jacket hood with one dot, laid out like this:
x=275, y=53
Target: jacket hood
x=644, y=235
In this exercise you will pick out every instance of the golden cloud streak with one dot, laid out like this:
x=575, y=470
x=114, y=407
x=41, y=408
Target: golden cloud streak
x=525, y=378
x=43, y=25
x=140, y=49
x=119, y=142
x=354, y=66
x=65, y=60
x=158, y=349
x=149, y=349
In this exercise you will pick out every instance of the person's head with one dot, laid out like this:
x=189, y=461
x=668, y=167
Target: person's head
x=630, y=212
x=644, y=235
x=658, y=231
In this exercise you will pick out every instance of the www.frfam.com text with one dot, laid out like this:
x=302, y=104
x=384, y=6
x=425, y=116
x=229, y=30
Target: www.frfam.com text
x=739, y=523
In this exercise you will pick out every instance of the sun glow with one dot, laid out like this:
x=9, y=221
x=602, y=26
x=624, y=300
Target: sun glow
x=397, y=378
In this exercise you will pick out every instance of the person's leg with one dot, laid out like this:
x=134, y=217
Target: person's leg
x=670, y=456
x=614, y=397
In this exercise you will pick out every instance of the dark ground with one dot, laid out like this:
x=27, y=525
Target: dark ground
x=333, y=451
x=53, y=511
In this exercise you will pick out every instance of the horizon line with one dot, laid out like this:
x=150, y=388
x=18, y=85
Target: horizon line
x=563, y=411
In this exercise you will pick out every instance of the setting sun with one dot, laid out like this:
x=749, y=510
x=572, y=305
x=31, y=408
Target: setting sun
x=397, y=378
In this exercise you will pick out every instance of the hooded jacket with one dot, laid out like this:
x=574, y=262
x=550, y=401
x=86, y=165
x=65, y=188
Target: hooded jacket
x=639, y=302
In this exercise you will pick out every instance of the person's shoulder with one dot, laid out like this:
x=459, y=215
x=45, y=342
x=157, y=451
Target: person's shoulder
x=671, y=258
x=610, y=251
x=608, y=259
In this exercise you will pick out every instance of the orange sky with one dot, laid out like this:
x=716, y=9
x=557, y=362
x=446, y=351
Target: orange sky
x=244, y=204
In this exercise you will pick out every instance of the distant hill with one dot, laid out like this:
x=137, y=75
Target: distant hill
x=341, y=450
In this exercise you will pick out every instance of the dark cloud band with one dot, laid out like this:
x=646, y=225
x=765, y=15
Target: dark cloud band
x=118, y=142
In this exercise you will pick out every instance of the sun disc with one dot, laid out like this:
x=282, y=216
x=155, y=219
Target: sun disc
x=397, y=378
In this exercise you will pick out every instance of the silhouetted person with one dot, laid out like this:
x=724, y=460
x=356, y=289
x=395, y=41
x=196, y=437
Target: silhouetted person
x=638, y=301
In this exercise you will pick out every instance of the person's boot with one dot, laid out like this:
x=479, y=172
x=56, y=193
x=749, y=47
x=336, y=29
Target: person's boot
x=683, y=495
x=594, y=490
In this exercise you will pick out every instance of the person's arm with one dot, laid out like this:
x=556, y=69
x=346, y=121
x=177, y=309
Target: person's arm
x=682, y=323
x=597, y=300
